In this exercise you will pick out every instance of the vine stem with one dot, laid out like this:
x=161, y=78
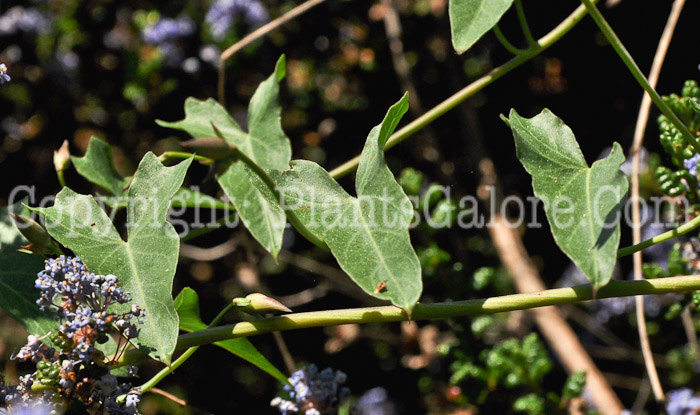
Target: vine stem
x=642, y=120
x=637, y=73
x=385, y=314
x=421, y=122
x=506, y=43
x=183, y=357
x=183, y=155
x=666, y=236
x=255, y=35
x=524, y=25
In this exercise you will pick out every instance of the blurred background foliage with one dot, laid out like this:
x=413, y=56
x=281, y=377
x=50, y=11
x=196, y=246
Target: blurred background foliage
x=110, y=68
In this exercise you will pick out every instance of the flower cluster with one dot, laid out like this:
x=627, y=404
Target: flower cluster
x=682, y=402
x=77, y=370
x=166, y=34
x=311, y=392
x=4, y=77
x=222, y=13
x=375, y=402
x=27, y=20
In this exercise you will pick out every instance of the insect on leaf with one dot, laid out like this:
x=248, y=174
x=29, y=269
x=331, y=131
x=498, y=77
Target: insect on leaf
x=367, y=234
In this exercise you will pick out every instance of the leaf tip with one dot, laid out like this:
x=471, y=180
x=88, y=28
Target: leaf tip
x=505, y=119
x=281, y=68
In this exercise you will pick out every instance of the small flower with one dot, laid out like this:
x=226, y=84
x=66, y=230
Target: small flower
x=4, y=77
x=311, y=392
x=691, y=165
x=222, y=13
x=375, y=402
x=682, y=402
x=166, y=33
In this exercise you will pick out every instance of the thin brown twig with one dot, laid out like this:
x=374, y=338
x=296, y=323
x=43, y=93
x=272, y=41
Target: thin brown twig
x=208, y=254
x=549, y=320
x=392, y=25
x=689, y=328
x=642, y=119
x=169, y=395
x=255, y=35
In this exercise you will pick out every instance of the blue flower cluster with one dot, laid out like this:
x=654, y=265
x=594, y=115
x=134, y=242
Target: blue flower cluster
x=222, y=13
x=311, y=392
x=375, y=402
x=4, y=77
x=77, y=371
x=166, y=33
x=27, y=20
x=682, y=402
x=691, y=164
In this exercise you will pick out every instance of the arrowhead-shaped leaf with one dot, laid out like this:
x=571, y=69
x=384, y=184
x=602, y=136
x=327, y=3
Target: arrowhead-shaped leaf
x=265, y=143
x=583, y=204
x=368, y=235
x=187, y=306
x=471, y=19
x=97, y=166
x=145, y=263
x=17, y=274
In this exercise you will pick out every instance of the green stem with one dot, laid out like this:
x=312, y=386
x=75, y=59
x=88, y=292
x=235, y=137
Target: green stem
x=424, y=120
x=666, y=236
x=183, y=155
x=506, y=44
x=523, y=24
x=293, y=218
x=491, y=305
x=183, y=357
x=201, y=231
x=61, y=178
x=637, y=73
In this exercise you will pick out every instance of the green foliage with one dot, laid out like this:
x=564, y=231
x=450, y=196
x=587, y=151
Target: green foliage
x=368, y=234
x=574, y=385
x=17, y=293
x=471, y=19
x=682, y=179
x=97, y=166
x=145, y=263
x=431, y=257
x=265, y=143
x=531, y=404
x=187, y=307
x=583, y=204
x=411, y=180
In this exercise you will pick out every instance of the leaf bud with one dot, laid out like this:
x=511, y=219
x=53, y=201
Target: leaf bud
x=40, y=242
x=257, y=303
x=61, y=157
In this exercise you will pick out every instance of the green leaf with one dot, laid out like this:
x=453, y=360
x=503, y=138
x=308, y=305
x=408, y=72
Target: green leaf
x=471, y=19
x=97, y=166
x=145, y=265
x=187, y=307
x=368, y=235
x=583, y=205
x=17, y=274
x=265, y=143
